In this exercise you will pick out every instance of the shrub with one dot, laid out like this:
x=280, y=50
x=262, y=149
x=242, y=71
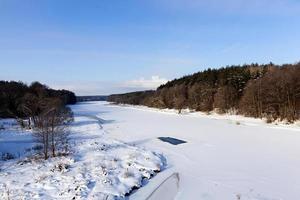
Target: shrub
x=7, y=156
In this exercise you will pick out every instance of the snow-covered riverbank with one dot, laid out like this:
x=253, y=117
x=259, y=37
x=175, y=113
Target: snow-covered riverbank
x=98, y=167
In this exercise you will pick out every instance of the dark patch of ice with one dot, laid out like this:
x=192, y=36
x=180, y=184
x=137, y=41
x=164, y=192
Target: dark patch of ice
x=171, y=140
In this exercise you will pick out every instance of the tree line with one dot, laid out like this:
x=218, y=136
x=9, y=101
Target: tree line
x=41, y=109
x=262, y=91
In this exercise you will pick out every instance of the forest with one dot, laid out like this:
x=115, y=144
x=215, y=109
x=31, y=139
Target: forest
x=14, y=95
x=262, y=91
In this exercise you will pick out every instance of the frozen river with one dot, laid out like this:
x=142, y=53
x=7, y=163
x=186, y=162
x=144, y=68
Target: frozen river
x=221, y=159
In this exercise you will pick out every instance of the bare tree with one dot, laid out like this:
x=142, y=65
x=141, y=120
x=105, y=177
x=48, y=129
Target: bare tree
x=59, y=119
x=42, y=132
x=50, y=125
x=225, y=99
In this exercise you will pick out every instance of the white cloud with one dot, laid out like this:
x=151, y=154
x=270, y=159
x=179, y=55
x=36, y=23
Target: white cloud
x=151, y=83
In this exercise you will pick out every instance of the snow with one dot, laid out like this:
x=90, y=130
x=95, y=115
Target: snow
x=224, y=157
x=98, y=167
x=13, y=139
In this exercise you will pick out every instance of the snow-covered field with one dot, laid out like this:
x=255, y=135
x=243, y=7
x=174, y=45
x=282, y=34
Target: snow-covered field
x=225, y=157
x=98, y=166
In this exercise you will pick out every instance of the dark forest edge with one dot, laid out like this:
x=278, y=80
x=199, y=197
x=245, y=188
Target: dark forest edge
x=91, y=98
x=261, y=91
x=15, y=96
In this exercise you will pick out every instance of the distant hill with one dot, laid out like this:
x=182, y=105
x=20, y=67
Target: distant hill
x=91, y=98
x=269, y=91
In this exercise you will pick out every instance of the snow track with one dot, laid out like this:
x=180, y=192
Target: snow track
x=94, y=117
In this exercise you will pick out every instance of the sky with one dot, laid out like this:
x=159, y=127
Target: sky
x=114, y=46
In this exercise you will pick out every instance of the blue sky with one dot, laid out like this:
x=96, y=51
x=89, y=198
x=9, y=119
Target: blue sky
x=112, y=46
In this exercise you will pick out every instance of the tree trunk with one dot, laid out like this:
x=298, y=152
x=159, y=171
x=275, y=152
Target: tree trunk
x=46, y=145
x=52, y=139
